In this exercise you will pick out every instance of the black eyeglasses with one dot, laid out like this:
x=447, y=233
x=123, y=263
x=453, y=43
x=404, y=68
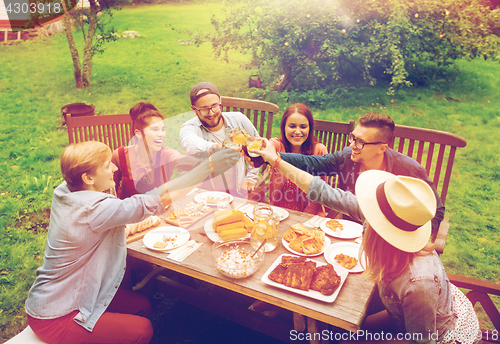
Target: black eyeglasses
x=206, y=109
x=358, y=143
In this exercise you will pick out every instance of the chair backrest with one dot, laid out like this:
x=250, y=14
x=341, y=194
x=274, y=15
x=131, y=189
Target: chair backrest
x=334, y=136
x=259, y=112
x=433, y=149
x=113, y=130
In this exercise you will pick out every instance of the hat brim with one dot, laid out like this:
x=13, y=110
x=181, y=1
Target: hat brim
x=366, y=188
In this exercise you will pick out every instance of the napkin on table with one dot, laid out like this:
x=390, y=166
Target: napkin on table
x=183, y=252
x=314, y=222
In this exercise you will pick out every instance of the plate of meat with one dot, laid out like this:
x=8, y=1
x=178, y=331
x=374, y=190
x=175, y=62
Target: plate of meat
x=306, y=277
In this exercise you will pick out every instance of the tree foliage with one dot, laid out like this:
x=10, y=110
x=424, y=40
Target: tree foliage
x=354, y=40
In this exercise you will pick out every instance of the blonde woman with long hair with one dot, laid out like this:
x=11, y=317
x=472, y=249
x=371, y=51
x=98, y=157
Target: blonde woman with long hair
x=396, y=212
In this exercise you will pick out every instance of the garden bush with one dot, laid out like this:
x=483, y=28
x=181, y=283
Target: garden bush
x=320, y=43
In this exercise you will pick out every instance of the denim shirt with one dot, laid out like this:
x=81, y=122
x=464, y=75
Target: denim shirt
x=419, y=300
x=85, y=253
x=196, y=140
x=340, y=163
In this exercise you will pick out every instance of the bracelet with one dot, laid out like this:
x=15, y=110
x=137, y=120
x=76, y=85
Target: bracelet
x=275, y=166
x=211, y=166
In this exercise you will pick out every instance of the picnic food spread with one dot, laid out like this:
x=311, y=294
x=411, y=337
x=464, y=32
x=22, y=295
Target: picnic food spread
x=334, y=225
x=346, y=261
x=192, y=212
x=143, y=225
x=303, y=240
x=297, y=272
x=231, y=224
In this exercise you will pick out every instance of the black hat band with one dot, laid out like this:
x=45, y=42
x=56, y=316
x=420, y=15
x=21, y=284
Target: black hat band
x=386, y=209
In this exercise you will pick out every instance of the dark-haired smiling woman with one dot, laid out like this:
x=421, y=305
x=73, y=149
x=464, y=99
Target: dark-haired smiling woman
x=297, y=136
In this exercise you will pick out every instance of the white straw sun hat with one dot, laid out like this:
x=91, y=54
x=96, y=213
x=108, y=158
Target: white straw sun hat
x=398, y=208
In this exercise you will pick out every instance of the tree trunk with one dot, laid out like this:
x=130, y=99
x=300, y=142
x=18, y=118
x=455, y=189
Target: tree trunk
x=283, y=82
x=87, y=49
x=72, y=48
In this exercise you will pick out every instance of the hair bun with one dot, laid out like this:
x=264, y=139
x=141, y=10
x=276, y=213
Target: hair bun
x=139, y=108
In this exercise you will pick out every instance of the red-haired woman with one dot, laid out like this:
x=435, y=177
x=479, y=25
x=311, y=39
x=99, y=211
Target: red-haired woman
x=297, y=136
x=147, y=163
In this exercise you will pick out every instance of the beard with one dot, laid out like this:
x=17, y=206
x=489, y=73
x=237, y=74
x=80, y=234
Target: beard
x=212, y=123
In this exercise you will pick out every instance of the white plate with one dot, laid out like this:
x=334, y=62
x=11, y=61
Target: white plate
x=311, y=293
x=276, y=210
x=351, y=229
x=349, y=248
x=209, y=231
x=202, y=197
x=286, y=244
x=157, y=234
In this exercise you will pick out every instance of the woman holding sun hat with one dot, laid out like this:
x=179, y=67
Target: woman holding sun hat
x=413, y=287
x=396, y=212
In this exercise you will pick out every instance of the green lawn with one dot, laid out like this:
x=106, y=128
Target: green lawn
x=36, y=81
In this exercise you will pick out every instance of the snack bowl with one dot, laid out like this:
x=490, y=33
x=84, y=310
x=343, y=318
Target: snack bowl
x=233, y=257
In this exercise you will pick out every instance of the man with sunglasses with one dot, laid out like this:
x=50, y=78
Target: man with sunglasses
x=368, y=150
x=205, y=133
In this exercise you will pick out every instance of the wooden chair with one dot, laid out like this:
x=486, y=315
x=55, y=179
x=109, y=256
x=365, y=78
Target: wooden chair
x=259, y=112
x=334, y=136
x=116, y=130
x=435, y=151
x=113, y=130
x=428, y=144
x=480, y=291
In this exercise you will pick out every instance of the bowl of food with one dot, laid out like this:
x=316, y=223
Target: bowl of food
x=236, y=259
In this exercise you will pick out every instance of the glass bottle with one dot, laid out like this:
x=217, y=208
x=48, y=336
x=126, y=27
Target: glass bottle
x=264, y=227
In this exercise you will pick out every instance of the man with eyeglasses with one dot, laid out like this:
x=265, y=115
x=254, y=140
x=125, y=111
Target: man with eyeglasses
x=205, y=133
x=368, y=150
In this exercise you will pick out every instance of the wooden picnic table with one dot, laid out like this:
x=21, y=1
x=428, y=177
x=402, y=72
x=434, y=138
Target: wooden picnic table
x=348, y=311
